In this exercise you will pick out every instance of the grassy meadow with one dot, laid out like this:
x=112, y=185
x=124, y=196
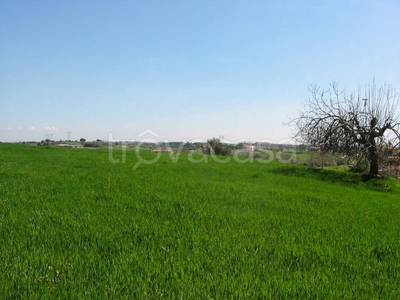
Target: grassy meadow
x=73, y=225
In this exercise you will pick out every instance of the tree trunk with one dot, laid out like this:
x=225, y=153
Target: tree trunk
x=373, y=160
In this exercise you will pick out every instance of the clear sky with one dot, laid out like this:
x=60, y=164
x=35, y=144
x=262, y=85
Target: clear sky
x=183, y=69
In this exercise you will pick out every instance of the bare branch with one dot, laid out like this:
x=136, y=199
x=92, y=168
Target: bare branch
x=351, y=123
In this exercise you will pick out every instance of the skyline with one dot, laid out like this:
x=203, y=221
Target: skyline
x=185, y=71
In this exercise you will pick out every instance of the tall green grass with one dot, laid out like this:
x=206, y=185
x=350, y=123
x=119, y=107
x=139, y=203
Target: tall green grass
x=74, y=225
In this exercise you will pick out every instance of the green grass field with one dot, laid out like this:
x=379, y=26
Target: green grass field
x=73, y=225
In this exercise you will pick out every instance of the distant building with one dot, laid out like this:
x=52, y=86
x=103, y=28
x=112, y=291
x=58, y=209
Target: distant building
x=248, y=147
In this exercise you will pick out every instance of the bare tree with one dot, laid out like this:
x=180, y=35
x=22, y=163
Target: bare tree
x=349, y=123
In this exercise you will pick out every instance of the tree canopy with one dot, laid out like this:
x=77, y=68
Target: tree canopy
x=355, y=123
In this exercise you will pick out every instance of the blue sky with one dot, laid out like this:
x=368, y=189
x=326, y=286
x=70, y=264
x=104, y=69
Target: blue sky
x=183, y=69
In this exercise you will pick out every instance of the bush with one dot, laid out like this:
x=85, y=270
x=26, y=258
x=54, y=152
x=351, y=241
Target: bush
x=218, y=147
x=320, y=160
x=360, y=166
x=91, y=145
x=341, y=161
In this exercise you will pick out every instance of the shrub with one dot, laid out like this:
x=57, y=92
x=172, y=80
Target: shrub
x=360, y=166
x=91, y=145
x=218, y=147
